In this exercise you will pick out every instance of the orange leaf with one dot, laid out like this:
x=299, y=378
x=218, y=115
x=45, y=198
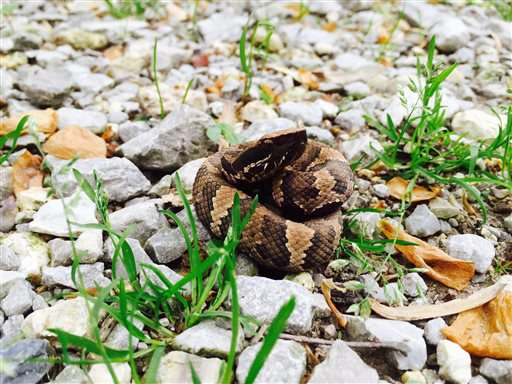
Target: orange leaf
x=398, y=186
x=26, y=172
x=75, y=141
x=326, y=286
x=485, y=331
x=452, y=272
x=307, y=78
x=46, y=121
x=329, y=27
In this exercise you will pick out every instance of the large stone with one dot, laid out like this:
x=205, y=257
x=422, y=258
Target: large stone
x=179, y=138
x=19, y=299
x=443, y=208
x=262, y=298
x=71, y=316
x=81, y=39
x=166, y=245
x=121, y=179
x=71, y=374
x=224, y=27
x=99, y=373
x=286, y=363
x=257, y=110
x=175, y=368
x=207, y=339
x=24, y=362
x=51, y=217
x=94, y=121
x=9, y=261
x=343, y=366
x=451, y=34
x=361, y=146
x=47, y=87
x=476, y=124
x=119, y=338
x=8, y=279
x=422, y=222
x=498, y=370
x=308, y=113
x=31, y=250
x=454, y=362
x=263, y=127
x=433, y=329
x=142, y=220
x=92, y=276
x=414, y=355
x=472, y=248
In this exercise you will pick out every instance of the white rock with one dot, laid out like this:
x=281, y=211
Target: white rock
x=260, y=128
x=225, y=27
x=422, y=222
x=498, y=370
x=89, y=245
x=69, y=315
x=8, y=279
x=92, y=120
x=175, y=368
x=352, y=62
x=357, y=89
x=285, y=364
x=476, y=124
x=92, y=275
x=432, y=330
x=308, y=113
x=351, y=120
x=328, y=109
x=71, y=374
x=472, y=248
x=99, y=373
x=443, y=208
x=343, y=366
x=454, y=362
x=257, y=110
x=451, y=34
x=365, y=224
x=9, y=261
x=363, y=145
x=414, y=285
x=32, y=198
x=381, y=190
x=18, y=300
x=51, y=219
x=32, y=251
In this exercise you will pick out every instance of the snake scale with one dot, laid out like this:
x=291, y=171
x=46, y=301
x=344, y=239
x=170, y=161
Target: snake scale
x=301, y=184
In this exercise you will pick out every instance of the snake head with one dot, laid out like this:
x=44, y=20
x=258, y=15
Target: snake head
x=259, y=160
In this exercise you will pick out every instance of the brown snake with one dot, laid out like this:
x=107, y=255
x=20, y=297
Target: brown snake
x=301, y=184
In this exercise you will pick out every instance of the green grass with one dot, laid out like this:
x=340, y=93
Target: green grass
x=12, y=136
x=155, y=80
x=222, y=130
x=503, y=7
x=121, y=9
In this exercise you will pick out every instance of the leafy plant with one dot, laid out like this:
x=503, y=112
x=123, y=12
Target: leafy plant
x=224, y=131
x=503, y=7
x=155, y=80
x=13, y=136
x=121, y=9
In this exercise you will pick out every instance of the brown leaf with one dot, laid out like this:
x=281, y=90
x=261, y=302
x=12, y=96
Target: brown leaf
x=452, y=307
x=26, y=172
x=398, y=186
x=46, y=121
x=307, y=78
x=485, y=331
x=200, y=60
x=75, y=141
x=452, y=272
x=326, y=287
x=113, y=52
x=329, y=27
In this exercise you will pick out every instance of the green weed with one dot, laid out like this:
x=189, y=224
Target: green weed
x=155, y=80
x=121, y=9
x=222, y=130
x=12, y=136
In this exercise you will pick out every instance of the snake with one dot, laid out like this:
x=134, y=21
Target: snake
x=301, y=186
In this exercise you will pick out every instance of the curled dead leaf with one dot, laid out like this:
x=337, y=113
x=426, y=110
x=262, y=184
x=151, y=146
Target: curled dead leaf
x=326, y=287
x=398, y=187
x=307, y=78
x=26, y=172
x=467, y=205
x=46, y=121
x=75, y=141
x=452, y=272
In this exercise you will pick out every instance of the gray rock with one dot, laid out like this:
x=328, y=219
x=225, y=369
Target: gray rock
x=117, y=117
x=9, y=261
x=188, y=173
x=47, y=87
x=422, y=222
x=454, y=362
x=343, y=366
x=245, y=266
x=11, y=328
x=263, y=127
x=5, y=182
x=478, y=379
x=19, y=359
x=8, y=279
x=357, y=89
x=179, y=138
x=432, y=330
x=262, y=298
x=308, y=113
x=60, y=252
x=139, y=255
x=121, y=179
x=421, y=14
x=365, y=223
x=225, y=26
x=18, y=300
x=443, y=208
x=71, y=374
x=143, y=219
x=381, y=190
x=88, y=246
x=285, y=364
x=175, y=368
x=320, y=134
x=119, y=338
x=352, y=62
x=414, y=285
x=92, y=275
x=472, y=248
x=8, y=212
x=415, y=354
x=166, y=245
x=207, y=339
x=92, y=82
x=94, y=121
x=498, y=370
x=363, y=145
x=451, y=34
x=476, y=124
x=170, y=275
x=131, y=129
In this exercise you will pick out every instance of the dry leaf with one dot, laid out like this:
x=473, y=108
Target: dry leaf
x=26, y=172
x=452, y=272
x=383, y=37
x=75, y=141
x=398, y=186
x=269, y=91
x=113, y=52
x=46, y=121
x=421, y=312
x=329, y=27
x=467, y=205
x=307, y=78
x=486, y=331
x=326, y=287
x=200, y=61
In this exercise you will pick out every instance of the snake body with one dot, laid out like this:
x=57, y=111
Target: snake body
x=301, y=184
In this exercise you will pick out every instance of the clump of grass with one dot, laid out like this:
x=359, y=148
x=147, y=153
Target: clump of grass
x=155, y=80
x=13, y=137
x=503, y=7
x=121, y=9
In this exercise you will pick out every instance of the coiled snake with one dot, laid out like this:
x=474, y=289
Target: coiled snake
x=301, y=184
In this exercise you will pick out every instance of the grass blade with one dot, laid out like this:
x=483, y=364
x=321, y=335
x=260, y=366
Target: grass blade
x=154, y=364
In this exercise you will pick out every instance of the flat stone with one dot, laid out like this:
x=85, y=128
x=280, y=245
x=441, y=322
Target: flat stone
x=71, y=316
x=47, y=87
x=131, y=129
x=422, y=222
x=71, y=374
x=207, y=339
x=175, y=368
x=94, y=121
x=18, y=365
x=8, y=279
x=121, y=179
x=99, y=373
x=144, y=220
x=343, y=366
x=166, y=245
x=451, y=34
x=308, y=113
x=92, y=275
x=19, y=299
x=11, y=329
x=257, y=110
x=498, y=370
x=9, y=261
x=119, y=338
x=432, y=330
x=414, y=285
x=364, y=145
x=31, y=250
x=415, y=355
x=224, y=26
x=262, y=298
x=50, y=218
x=179, y=138
x=472, y=248
x=476, y=124
x=443, y=209
x=286, y=363
x=454, y=362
